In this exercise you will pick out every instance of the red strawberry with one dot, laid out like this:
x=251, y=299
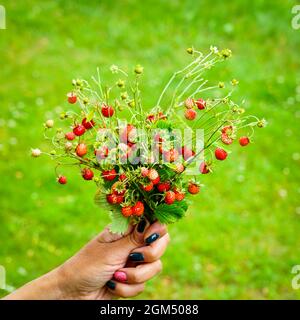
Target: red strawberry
x=227, y=129
x=127, y=211
x=88, y=124
x=119, y=199
x=156, y=181
x=151, y=117
x=244, y=141
x=62, y=180
x=138, y=209
x=171, y=155
x=87, y=174
x=107, y=111
x=163, y=186
x=122, y=177
x=79, y=130
x=170, y=197
x=226, y=139
x=144, y=172
x=193, y=188
x=72, y=97
x=179, y=168
x=204, y=169
x=179, y=195
x=101, y=153
x=129, y=134
x=190, y=114
x=220, y=154
x=189, y=103
x=70, y=135
x=109, y=175
x=148, y=187
x=201, y=104
x=81, y=150
x=187, y=153
x=152, y=174
x=111, y=198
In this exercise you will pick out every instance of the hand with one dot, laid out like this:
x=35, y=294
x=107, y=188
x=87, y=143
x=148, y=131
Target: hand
x=108, y=266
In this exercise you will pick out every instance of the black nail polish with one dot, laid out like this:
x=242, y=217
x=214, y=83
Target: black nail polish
x=136, y=256
x=111, y=285
x=152, y=238
x=141, y=226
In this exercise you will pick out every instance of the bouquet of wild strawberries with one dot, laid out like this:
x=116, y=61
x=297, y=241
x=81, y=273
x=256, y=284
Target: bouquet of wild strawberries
x=148, y=166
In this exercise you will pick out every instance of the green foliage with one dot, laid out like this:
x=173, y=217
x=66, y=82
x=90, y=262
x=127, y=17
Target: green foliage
x=241, y=236
x=171, y=213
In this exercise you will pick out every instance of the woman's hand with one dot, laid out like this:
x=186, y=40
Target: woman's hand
x=108, y=266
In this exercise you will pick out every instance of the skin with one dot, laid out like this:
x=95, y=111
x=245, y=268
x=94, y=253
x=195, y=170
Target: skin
x=84, y=276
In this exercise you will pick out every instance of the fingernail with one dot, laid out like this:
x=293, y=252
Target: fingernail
x=111, y=285
x=141, y=226
x=152, y=238
x=136, y=256
x=120, y=276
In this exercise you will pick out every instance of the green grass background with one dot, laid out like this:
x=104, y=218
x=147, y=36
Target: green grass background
x=241, y=239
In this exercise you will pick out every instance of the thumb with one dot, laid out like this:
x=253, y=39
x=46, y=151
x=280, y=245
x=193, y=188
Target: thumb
x=133, y=239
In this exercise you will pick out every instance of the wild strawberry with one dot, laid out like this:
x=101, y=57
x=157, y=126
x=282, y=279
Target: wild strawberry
x=163, y=186
x=226, y=139
x=220, y=154
x=161, y=116
x=190, y=114
x=81, y=150
x=72, y=97
x=36, y=152
x=193, y=188
x=201, y=104
x=170, y=197
x=118, y=188
x=127, y=211
x=122, y=177
x=144, y=172
x=138, y=209
x=79, y=130
x=148, y=187
x=68, y=146
x=87, y=174
x=156, y=181
x=119, y=199
x=88, y=124
x=152, y=174
x=111, y=198
x=227, y=129
x=70, y=136
x=244, y=141
x=171, y=155
x=179, y=195
x=150, y=118
x=187, y=153
x=179, y=168
x=62, y=180
x=204, y=168
x=109, y=175
x=189, y=103
x=101, y=153
x=107, y=111
x=158, y=138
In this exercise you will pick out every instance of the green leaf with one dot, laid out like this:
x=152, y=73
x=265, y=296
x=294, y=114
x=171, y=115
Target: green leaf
x=164, y=124
x=171, y=213
x=119, y=224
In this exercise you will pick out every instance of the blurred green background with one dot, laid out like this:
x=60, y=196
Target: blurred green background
x=241, y=239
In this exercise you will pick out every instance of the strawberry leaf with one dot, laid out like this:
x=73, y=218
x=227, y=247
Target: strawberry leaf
x=171, y=213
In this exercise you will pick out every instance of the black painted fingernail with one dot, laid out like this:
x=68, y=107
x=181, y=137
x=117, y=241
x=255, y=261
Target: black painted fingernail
x=152, y=238
x=111, y=285
x=136, y=256
x=141, y=226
